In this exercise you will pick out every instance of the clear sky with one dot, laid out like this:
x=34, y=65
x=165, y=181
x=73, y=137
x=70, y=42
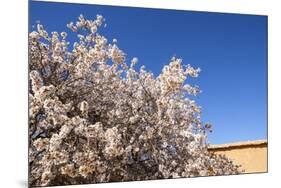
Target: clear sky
x=230, y=49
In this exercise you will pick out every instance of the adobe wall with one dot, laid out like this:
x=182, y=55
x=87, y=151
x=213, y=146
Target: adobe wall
x=251, y=155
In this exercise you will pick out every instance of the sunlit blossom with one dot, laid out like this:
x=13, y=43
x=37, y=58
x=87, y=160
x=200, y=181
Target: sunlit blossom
x=89, y=123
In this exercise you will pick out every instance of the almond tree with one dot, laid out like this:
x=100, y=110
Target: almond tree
x=94, y=118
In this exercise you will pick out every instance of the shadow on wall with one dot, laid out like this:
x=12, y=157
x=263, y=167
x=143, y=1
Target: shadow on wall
x=251, y=155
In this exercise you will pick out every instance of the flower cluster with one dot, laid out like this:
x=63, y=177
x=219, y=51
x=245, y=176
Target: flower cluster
x=95, y=119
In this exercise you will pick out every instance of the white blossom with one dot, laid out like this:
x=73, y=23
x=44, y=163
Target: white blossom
x=95, y=119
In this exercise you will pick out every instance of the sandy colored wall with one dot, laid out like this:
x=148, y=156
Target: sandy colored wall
x=251, y=155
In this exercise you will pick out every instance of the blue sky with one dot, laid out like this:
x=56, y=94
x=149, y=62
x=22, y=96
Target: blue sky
x=230, y=49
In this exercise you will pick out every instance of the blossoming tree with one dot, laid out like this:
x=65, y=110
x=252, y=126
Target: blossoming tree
x=93, y=118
